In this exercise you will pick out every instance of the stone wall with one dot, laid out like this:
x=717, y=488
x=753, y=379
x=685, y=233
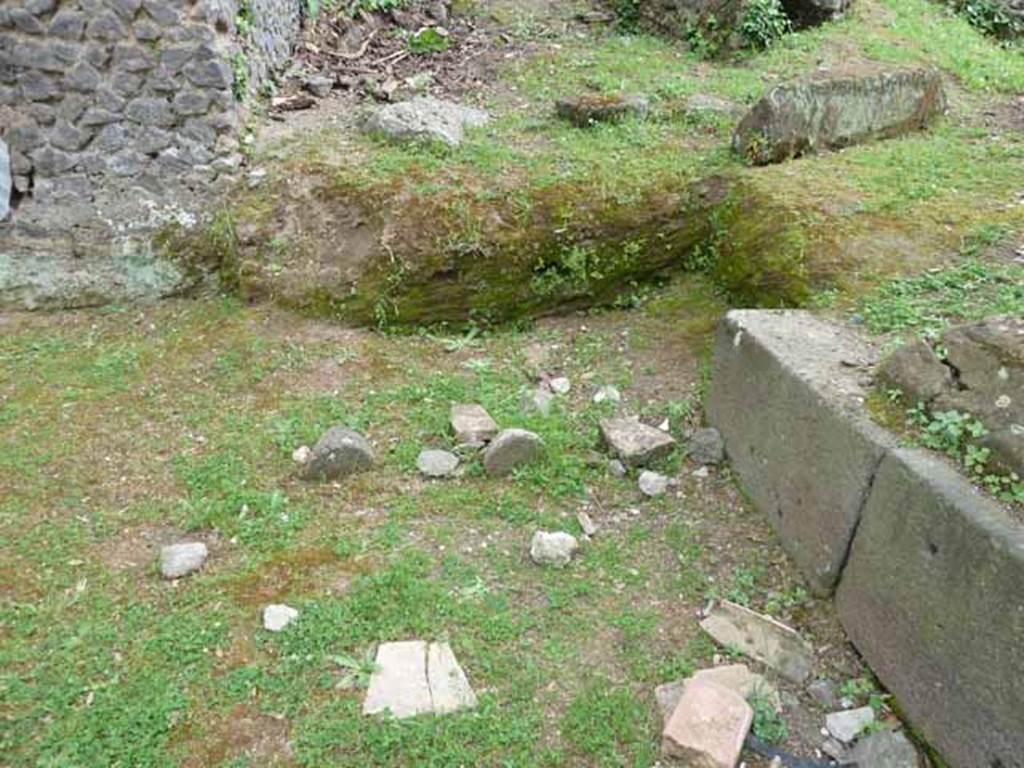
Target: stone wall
x=120, y=116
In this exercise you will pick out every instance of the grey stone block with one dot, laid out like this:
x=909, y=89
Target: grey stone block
x=191, y=103
x=789, y=409
x=149, y=111
x=933, y=597
x=24, y=21
x=94, y=116
x=209, y=74
x=106, y=26
x=68, y=137
x=132, y=58
x=126, y=9
x=51, y=162
x=67, y=24
x=82, y=77
x=35, y=86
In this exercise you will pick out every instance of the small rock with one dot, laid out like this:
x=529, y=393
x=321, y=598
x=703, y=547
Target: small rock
x=436, y=463
x=319, y=85
x=588, y=110
x=761, y=637
x=177, y=560
x=560, y=385
x=847, y=724
x=277, y=617
x=885, y=749
x=339, y=453
x=587, y=525
x=608, y=394
x=472, y=424
x=426, y=119
x=708, y=726
x=554, y=549
x=537, y=401
x=705, y=446
x=824, y=692
x=833, y=749
x=653, y=484
x=301, y=454
x=511, y=449
x=617, y=468
x=701, y=473
x=635, y=443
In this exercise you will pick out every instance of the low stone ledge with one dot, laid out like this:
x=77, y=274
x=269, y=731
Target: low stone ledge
x=930, y=572
x=786, y=396
x=933, y=597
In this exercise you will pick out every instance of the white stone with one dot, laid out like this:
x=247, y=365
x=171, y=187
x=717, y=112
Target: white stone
x=848, y=724
x=426, y=119
x=449, y=689
x=587, y=525
x=301, y=454
x=560, y=385
x=277, y=617
x=177, y=560
x=554, y=549
x=399, y=685
x=652, y=484
x=413, y=678
x=608, y=394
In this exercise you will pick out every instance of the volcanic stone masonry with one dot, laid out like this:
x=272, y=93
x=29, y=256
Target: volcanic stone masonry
x=120, y=116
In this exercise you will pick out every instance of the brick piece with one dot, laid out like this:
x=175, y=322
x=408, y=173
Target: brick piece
x=708, y=726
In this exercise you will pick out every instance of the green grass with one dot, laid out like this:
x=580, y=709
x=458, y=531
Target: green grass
x=118, y=433
x=929, y=303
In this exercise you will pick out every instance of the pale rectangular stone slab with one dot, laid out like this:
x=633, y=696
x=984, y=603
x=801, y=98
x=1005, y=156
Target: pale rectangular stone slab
x=399, y=684
x=708, y=727
x=762, y=638
x=449, y=688
x=472, y=424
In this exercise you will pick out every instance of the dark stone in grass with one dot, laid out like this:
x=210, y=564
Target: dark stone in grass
x=838, y=109
x=339, y=453
x=585, y=111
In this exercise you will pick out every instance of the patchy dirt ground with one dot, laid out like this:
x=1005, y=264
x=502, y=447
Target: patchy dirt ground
x=197, y=408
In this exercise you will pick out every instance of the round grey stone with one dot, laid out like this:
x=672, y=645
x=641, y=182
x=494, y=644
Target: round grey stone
x=511, y=449
x=653, y=484
x=339, y=453
x=554, y=549
x=177, y=560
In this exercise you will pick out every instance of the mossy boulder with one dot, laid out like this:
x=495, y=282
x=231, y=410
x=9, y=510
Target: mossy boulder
x=836, y=109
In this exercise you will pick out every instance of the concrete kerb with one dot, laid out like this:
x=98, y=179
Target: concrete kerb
x=930, y=573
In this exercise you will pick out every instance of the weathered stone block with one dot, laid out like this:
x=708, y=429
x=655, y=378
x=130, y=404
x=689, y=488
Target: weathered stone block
x=67, y=24
x=837, y=109
x=190, y=103
x=209, y=74
x=788, y=405
x=83, y=78
x=150, y=111
x=35, y=86
x=933, y=597
x=106, y=26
